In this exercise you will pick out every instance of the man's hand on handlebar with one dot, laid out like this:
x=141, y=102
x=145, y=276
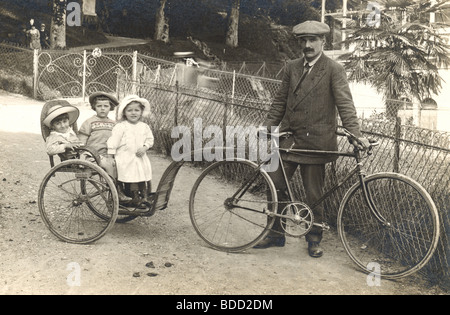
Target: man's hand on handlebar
x=361, y=143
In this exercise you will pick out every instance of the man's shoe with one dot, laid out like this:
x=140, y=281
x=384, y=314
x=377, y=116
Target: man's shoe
x=271, y=241
x=314, y=249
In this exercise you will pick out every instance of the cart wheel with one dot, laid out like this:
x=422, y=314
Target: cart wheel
x=78, y=201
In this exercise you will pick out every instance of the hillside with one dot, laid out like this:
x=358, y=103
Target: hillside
x=260, y=39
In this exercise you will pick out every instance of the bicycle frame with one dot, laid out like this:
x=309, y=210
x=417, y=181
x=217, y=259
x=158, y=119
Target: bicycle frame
x=358, y=169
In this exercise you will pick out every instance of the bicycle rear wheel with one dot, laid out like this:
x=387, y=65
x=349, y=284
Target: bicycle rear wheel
x=408, y=240
x=228, y=203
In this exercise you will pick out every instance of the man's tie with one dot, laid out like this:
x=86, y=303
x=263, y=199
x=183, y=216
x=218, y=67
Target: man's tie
x=306, y=69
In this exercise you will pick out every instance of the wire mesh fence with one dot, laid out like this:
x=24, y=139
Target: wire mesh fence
x=16, y=69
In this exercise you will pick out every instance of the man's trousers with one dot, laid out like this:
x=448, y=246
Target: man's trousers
x=313, y=178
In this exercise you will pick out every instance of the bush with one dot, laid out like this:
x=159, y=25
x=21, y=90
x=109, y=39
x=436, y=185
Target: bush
x=16, y=83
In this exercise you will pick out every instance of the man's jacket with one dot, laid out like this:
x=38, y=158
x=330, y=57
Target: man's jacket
x=310, y=109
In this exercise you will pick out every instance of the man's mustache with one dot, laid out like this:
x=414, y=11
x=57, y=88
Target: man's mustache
x=308, y=50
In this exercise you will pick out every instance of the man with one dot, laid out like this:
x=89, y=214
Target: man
x=313, y=90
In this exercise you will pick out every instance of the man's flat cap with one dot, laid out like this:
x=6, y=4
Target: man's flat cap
x=311, y=28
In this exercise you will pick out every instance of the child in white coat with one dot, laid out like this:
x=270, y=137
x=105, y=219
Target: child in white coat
x=129, y=142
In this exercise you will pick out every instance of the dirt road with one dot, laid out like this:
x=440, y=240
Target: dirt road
x=157, y=255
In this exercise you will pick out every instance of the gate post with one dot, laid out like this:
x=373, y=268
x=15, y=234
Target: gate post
x=83, y=89
x=35, y=72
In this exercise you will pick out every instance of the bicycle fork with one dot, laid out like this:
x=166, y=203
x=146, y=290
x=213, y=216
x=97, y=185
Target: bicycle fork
x=367, y=194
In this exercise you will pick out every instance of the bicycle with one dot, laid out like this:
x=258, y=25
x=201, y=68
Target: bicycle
x=385, y=218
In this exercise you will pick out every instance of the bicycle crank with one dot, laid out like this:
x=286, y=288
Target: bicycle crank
x=296, y=219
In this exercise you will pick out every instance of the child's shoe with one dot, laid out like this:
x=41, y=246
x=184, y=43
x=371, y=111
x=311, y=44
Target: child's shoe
x=122, y=197
x=136, y=200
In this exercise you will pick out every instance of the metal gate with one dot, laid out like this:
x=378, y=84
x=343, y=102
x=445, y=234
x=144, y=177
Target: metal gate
x=78, y=74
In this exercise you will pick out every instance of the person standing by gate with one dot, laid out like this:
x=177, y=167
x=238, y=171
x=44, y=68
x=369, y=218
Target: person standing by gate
x=34, y=36
x=313, y=91
x=44, y=37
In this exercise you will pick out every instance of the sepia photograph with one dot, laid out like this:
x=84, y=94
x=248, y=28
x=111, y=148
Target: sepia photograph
x=225, y=154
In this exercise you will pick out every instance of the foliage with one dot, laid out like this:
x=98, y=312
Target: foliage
x=398, y=60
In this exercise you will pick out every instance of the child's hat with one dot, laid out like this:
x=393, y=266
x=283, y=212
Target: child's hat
x=133, y=98
x=60, y=107
x=103, y=95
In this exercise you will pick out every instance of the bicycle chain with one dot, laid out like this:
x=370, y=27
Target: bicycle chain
x=323, y=225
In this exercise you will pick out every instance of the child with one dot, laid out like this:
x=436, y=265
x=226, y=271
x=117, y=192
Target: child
x=95, y=132
x=59, y=119
x=129, y=142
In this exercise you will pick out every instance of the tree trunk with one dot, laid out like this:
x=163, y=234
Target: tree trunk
x=104, y=15
x=162, y=24
x=233, y=23
x=58, y=25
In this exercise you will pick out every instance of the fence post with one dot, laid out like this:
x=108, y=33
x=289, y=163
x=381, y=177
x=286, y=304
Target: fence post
x=158, y=74
x=234, y=84
x=134, y=72
x=397, y=134
x=225, y=122
x=83, y=88
x=174, y=74
x=35, y=72
x=177, y=94
x=225, y=118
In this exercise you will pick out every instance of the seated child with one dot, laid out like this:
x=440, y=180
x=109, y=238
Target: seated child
x=95, y=131
x=129, y=142
x=59, y=119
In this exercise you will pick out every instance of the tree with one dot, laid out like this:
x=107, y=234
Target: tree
x=400, y=61
x=232, y=38
x=58, y=25
x=162, y=23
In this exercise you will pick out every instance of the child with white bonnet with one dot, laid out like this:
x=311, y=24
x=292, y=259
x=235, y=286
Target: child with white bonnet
x=129, y=142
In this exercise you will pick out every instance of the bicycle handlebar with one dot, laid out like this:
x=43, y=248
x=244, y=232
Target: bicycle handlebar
x=341, y=131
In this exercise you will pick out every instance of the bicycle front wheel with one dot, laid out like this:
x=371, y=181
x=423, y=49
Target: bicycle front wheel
x=229, y=205
x=400, y=236
x=78, y=201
